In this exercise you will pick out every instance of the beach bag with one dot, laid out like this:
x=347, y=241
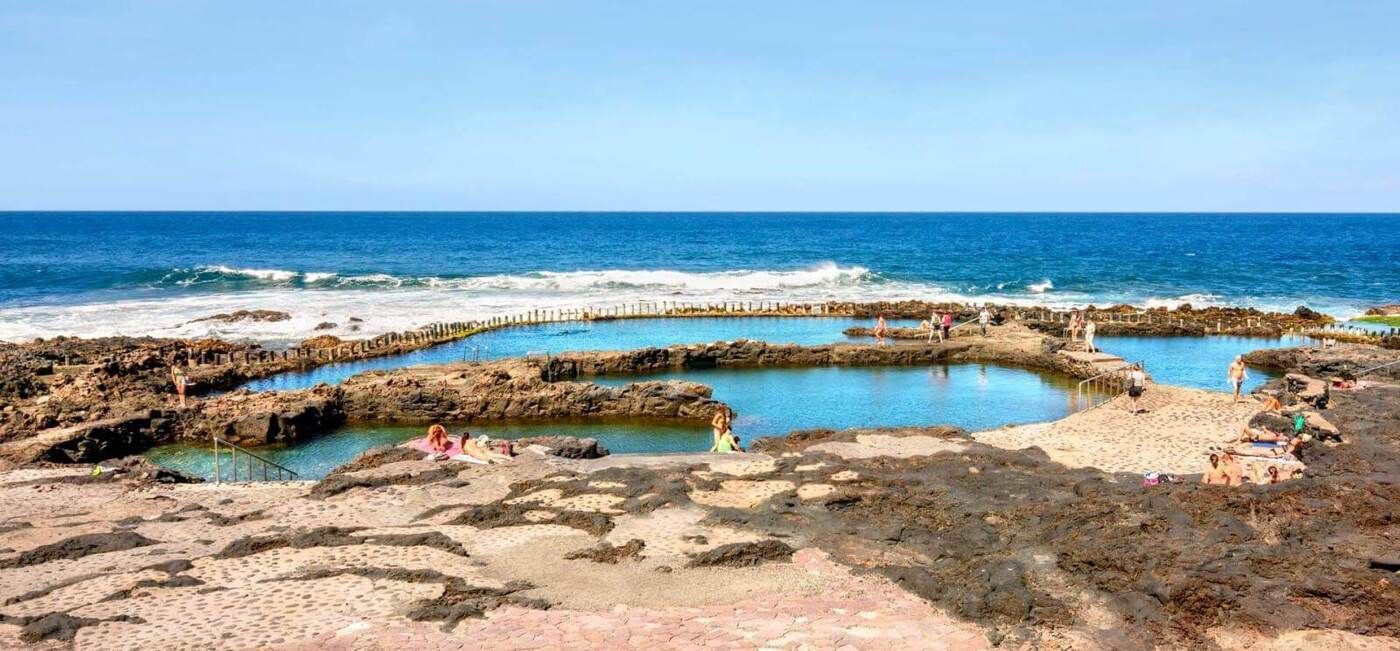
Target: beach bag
x=1300, y=422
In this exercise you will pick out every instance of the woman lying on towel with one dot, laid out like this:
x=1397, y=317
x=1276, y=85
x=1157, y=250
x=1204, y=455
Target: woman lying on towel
x=438, y=446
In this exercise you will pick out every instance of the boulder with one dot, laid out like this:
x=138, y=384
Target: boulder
x=567, y=447
x=1303, y=312
x=257, y=316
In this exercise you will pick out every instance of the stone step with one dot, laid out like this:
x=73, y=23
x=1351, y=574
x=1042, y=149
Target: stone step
x=1097, y=359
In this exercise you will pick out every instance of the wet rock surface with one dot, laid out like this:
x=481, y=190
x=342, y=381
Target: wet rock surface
x=567, y=447
x=253, y=316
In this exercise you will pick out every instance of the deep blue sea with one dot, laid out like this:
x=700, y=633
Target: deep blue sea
x=152, y=273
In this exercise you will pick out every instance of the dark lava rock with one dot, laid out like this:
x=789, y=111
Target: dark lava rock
x=326, y=325
x=78, y=547
x=58, y=626
x=567, y=447
x=745, y=554
x=1303, y=312
x=256, y=316
x=606, y=553
x=460, y=601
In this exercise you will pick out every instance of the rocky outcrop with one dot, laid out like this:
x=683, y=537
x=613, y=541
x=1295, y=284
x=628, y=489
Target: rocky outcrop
x=248, y=419
x=1188, y=321
x=514, y=390
x=1392, y=309
x=1015, y=346
x=255, y=316
x=566, y=447
x=1341, y=360
x=92, y=441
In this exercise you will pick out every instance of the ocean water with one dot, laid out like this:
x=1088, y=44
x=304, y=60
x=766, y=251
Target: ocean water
x=97, y=274
x=768, y=402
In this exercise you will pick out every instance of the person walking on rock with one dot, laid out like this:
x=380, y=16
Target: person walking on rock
x=983, y=318
x=880, y=330
x=948, y=325
x=1089, y=329
x=1076, y=320
x=182, y=381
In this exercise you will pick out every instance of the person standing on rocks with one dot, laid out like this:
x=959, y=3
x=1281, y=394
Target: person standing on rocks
x=934, y=319
x=1075, y=321
x=881, y=329
x=182, y=381
x=983, y=318
x=721, y=424
x=947, y=325
x=1089, y=329
x=1237, y=375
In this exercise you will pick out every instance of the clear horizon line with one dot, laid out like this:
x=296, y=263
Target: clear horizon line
x=86, y=211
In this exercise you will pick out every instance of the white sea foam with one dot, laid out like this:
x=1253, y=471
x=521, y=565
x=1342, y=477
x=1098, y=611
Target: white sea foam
x=275, y=275
x=1041, y=287
x=392, y=303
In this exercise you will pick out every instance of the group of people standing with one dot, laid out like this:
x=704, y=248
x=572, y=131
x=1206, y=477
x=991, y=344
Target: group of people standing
x=1080, y=321
x=939, y=324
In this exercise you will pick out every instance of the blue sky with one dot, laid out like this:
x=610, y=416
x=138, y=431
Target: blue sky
x=524, y=105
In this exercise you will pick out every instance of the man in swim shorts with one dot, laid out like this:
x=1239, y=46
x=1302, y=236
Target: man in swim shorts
x=1237, y=375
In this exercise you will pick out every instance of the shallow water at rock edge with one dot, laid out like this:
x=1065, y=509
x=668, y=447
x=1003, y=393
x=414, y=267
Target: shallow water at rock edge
x=769, y=402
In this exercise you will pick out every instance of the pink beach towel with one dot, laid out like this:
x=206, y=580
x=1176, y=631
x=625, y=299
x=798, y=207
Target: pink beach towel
x=421, y=445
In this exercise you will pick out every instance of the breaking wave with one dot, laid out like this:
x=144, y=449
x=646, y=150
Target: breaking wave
x=217, y=277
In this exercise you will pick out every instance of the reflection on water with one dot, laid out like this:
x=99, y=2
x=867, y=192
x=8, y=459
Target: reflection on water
x=768, y=401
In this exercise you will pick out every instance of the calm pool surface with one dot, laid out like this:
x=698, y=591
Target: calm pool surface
x=768, y=401
x=1199, y=362
x=600, y=335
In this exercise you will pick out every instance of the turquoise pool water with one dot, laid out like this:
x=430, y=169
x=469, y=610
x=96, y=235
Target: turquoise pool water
x=623, y=334
x=314, y=458
x=768, y=401
x=1199, y=362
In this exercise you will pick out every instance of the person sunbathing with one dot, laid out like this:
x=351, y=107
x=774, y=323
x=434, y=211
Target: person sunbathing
x=1289, y=449
x=437, y=445
x=1261, y=435
x=1215, y=473
x=1272, y=404
x=479, y=451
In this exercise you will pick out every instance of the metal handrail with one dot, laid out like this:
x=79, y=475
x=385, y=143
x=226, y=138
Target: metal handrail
x=475, y=351
x=1373, y=369
x=1110, y=379
x=282, y=471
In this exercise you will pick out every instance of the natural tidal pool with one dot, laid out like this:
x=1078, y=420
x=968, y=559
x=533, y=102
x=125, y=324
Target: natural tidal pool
x=769, y=402
x=1199, y=362
x=622, y=334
